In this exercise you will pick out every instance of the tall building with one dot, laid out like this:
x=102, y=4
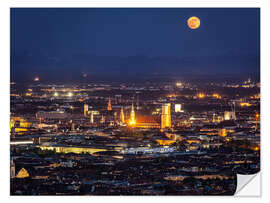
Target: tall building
x=137, y=103
x=132, y=120
x=214, y=118
x=178, y=108
x=91, y=117
x=102, y=120
x=12, y=171
x=229, y=115
x=73, y=126
x=85, y=109
x=166, y=116
x=122, y=115
x=109, y=106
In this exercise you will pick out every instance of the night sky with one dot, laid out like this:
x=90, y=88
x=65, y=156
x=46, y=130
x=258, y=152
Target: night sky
x=62, y=44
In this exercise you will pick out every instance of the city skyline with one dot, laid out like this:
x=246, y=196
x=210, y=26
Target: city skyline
x=137, y=101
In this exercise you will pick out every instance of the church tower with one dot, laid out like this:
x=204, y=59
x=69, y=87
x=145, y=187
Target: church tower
x=122, y=115
x=132, y=120
x=109, y=106
x=166, y=116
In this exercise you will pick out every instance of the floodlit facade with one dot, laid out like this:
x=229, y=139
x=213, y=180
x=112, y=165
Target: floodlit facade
x=109, y=106
x=23, y=173
x=85, y=110
x=92, y=118
x=132, y=120
x=51, y=115
x=178, y=108
x=166, y=116
x=229, y=115
x=122, y=115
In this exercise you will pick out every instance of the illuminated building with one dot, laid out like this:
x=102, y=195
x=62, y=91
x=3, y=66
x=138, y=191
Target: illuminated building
x=109, y=106
x=209, y=130
x=36, y=79
x=145, y=121
x=222, y=132
x=245, y=104
x=179, y=84
x=257, y=119
x=122, y=115
x=92, y=114
x=12, y=170
x=166, y=116
x=178, y=108
x=171, y=136
x=132, y=120
x=85, y=109
x=137, y=104
x=217, y=96
x=214, y=118
x=73, y=126
x=51, y=115
x=201, y=95
x=19, y=122
x=102, y=120
x=19, y=125
x=118, y=98
x=91, y=117
x=23, y=173
x=76, y=150
x=219, y=119
x=70, y=94
x=165, y=142
x=229, y=115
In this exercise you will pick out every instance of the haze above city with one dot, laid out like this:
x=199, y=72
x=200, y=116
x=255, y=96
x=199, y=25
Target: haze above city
x=66, y=44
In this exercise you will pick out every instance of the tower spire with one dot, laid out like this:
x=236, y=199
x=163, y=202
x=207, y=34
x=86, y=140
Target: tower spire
x=109, y=106
x=132, y=120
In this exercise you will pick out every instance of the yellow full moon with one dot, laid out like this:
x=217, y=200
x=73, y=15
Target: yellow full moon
x=193, y=22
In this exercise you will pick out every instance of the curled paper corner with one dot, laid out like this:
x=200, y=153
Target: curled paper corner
x=248, y=185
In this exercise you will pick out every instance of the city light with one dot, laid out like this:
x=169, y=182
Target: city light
x=217, y=96
x=179, y=84
x=90, y=115
x=178, y=108
x=201, y=95
x=245, y=104
x=223, y=132
x=132, y=123
x=70, y=94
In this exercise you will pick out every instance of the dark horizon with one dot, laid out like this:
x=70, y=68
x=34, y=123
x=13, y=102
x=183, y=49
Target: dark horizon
x=123, y=44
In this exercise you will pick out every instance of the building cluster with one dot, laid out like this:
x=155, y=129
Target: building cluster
x=153, y=138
